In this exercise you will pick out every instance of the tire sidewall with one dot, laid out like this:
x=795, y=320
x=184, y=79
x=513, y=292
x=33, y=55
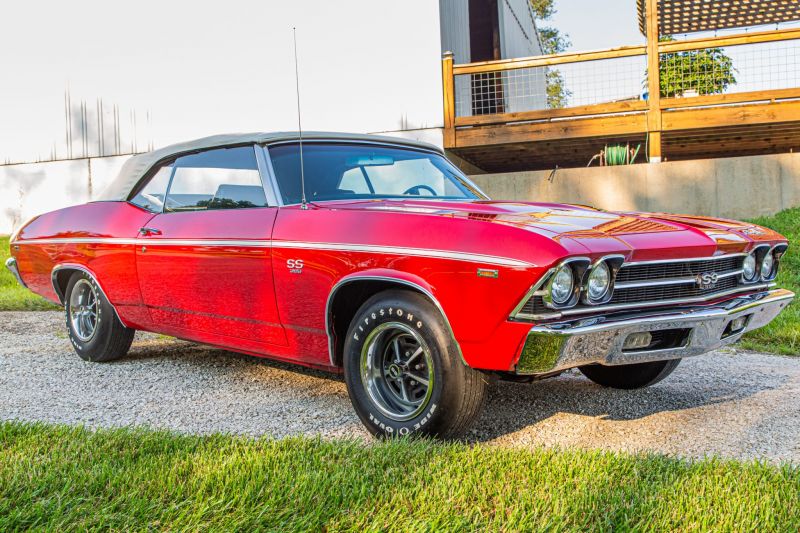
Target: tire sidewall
x=416, y=313
x=89, y=350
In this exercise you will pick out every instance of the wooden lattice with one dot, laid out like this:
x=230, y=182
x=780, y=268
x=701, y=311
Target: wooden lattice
x=688, y=16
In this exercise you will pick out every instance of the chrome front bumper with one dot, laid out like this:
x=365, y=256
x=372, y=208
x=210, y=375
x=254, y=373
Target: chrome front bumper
x=11, y=265
x=558, y=346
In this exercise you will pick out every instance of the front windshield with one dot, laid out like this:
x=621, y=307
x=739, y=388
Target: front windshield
x=364, y=171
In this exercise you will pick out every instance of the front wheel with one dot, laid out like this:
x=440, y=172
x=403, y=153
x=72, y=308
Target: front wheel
x=94, y=329
x=404, y=373
x=634, y=376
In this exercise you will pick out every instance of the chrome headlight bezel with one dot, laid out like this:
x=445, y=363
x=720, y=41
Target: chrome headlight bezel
x=767, y=265
x=776, y=252
x=610, y=262
x=576, y=266
x=754, y=258
x=600, y=278
x=562, y=286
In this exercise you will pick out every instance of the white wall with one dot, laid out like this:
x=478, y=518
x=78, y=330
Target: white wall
x=31, y=189
x=203, y=68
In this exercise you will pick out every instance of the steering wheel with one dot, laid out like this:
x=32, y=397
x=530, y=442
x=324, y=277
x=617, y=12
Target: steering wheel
x=415, y=190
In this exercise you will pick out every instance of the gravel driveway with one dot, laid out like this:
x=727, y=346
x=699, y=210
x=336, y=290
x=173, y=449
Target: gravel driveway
x=734, y=404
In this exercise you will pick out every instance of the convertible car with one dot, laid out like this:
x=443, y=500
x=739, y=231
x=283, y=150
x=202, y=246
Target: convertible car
x=378, y=258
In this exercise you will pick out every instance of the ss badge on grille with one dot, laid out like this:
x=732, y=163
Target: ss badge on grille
x=707, y=280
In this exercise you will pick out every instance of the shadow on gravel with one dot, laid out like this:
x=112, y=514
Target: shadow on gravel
x=514, y=406
x=174, y=349
x=511, y=407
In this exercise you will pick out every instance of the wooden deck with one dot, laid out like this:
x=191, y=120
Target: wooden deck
x=689, y=127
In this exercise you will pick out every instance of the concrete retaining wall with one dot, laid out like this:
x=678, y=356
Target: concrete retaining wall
x=741, y=187
x=738, y=187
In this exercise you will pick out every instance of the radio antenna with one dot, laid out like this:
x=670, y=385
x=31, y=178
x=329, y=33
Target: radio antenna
x=303, y=202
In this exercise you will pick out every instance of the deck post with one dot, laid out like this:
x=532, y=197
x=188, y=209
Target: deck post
x=448, y=85
x=653, y=83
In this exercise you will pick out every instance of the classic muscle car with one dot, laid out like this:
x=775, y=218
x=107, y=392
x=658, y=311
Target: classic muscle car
x=378, y=258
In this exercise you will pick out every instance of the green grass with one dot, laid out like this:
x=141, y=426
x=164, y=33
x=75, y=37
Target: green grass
x=14, y=297
x=783, y=334
x=59, y=478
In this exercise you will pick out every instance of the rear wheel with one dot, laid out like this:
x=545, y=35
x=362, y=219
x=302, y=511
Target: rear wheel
x=94, y=329
x=634, y=376
x=403, y=370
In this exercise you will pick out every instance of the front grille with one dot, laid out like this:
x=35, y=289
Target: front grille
x=535, y=306
x=659, y=271
x=655, y=272
x=670, y=292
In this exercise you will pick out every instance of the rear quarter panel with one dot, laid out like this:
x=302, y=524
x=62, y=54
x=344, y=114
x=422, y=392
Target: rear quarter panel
x=113, y=264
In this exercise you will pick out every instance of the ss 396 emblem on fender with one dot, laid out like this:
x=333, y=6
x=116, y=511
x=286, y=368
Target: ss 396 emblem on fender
x=295, y=266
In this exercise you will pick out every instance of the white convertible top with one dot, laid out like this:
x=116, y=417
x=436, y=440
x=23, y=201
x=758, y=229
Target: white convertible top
x=137, y=166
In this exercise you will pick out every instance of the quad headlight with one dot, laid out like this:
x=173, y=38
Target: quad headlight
x=599, y=282
x=768, y=266
x=749, y=267
x=563, y=286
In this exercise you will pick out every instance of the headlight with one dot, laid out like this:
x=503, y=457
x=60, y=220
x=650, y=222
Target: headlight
x=749, y=267
x=767, y=265
x=598, y=283
x=562, y=287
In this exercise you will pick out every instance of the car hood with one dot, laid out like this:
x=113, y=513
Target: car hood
x=640, y=236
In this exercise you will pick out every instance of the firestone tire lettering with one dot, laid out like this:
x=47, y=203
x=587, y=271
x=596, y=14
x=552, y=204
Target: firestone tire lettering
x=457, y=393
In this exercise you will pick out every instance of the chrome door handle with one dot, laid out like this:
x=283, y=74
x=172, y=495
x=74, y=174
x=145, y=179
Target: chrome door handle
x=147, y=232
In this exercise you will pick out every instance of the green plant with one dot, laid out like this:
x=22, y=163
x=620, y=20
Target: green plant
x=707, y=71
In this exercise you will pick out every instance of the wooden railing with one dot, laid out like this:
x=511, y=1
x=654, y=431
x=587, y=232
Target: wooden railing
x=652, y=107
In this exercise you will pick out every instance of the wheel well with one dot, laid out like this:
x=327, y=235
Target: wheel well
x=61, y=279
x=345, y=303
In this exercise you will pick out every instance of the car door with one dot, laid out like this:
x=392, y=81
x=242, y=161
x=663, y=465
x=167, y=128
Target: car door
x=204, y=261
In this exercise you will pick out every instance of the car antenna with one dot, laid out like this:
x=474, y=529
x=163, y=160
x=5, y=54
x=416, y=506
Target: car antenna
x=303, y=202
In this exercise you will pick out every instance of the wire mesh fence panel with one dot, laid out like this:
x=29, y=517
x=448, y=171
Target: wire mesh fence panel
x=733, y=69
x=552, y=87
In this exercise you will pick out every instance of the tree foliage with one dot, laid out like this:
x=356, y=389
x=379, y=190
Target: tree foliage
x=553, y=42
x=707, y=71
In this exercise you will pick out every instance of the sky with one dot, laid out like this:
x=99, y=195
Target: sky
x=597, y=24
x=200, y=67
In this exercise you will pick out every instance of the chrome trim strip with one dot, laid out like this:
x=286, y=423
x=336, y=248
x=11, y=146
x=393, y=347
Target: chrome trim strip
x=77, y=240
x=555, y=347
x=338, y=247
x=152, y=242
x=671, y=281
x=685, y=259
x=398, y=250
x=657, y=303
x=266, y=179
x=11, y=265
x=423, y=290
x=273, y=180
x=73, y=266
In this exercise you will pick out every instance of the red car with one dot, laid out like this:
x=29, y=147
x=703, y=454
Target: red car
x=378, y=258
